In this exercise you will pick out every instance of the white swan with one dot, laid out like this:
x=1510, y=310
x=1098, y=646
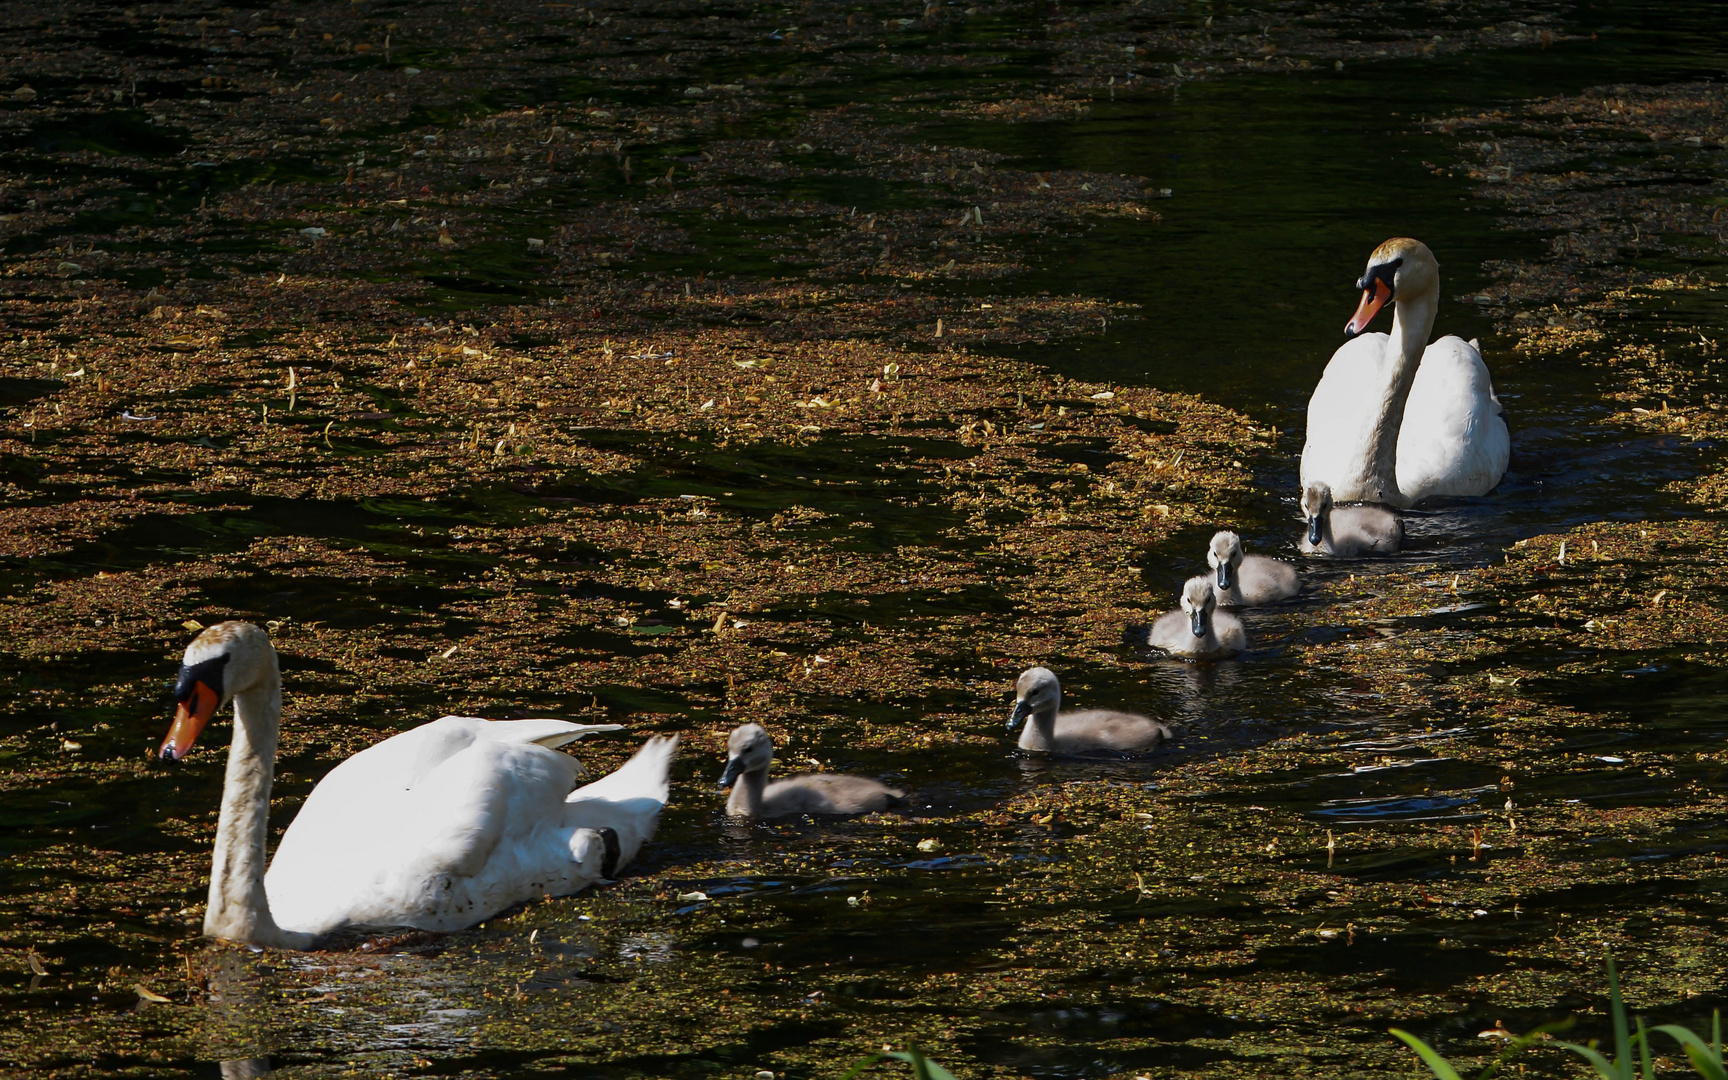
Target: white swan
x=438, y=828
x=1394, y=419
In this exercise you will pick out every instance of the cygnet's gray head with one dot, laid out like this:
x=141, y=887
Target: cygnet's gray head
x=1224, y=556
x=1316, y=504
x=749, y=749
x=1198, y=601
x=1036, y=691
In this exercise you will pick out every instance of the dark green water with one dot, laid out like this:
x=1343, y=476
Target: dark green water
x=1281, y=185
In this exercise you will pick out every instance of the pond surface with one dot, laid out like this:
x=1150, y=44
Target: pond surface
x=1295, y=875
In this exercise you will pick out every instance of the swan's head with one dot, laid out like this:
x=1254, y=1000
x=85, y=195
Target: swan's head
x=1037, y=691
x=748, y=750
x=1197, y=602
x=1316, y=504
x=1224, y=556
x=1399, y=267
x=226, y=659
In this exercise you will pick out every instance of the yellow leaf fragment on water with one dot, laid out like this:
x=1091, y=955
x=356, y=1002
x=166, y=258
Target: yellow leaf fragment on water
x=36, y=965
x=692, y=896
x=146, y=994
x=931, y=844
x=193, y=625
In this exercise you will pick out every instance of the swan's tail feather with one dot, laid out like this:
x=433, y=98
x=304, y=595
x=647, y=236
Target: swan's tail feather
x=647, y=775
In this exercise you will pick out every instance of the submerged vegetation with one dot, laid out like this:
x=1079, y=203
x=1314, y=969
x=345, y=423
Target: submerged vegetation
x=688, y=364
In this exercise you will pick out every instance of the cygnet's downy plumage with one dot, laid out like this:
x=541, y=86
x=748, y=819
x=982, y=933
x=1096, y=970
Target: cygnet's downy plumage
x=1348, y=532
x=749, y=753
x=1247, y=580
x=1199, y=631
x=1037, y=699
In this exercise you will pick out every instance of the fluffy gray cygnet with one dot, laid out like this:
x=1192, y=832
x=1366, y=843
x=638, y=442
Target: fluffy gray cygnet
x=749, y=753
x=1037, y=699
x=1198, y=631
x=1247, y=580
x=1348, y=532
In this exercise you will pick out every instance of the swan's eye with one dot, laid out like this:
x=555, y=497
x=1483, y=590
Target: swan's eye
x=1386, y=272
x=209, y=673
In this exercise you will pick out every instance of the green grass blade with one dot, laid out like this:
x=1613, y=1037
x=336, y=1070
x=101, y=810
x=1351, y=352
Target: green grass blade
x=1644, y=1052
x=1622, y=1031
x=860, y=1065
x=1437, y=1065
x=922, y=1067
x=1706, y=1059
x=1606, y=1069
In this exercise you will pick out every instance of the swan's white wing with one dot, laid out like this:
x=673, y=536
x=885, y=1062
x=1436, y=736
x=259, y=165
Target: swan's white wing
x=425, y=828
x=1453, y=440
x=1341, y=416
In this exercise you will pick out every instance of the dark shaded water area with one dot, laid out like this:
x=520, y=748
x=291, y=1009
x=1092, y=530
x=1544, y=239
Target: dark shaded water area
x=1292, y=877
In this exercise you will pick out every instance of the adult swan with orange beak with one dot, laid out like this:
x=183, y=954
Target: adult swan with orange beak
x=437, y=828
x=1396, y=420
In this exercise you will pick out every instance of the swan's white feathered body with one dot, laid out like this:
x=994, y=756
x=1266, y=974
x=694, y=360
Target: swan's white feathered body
x=1395, y=419
x=446, y=824
x=1452, y=441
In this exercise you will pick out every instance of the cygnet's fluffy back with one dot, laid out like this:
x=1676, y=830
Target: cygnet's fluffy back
x=1247, y=580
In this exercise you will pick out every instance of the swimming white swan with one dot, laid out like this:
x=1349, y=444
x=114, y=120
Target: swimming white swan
x=1037, y=699
x=749, y=752
x=1247, y=580
x=438, y=828
x=1349, y=532
x=1198, y=631
x=1396, y=420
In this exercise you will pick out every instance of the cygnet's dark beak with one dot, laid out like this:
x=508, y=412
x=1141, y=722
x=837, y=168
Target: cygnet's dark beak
x=1022, y=709
x=1314, y=531
x=1199, y=622
x=1224, y=575
x=734, y=769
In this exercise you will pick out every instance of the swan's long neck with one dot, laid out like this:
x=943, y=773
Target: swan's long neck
x=239, y=909
x=1412, y=321
x=746, y=799
x=1040, y=732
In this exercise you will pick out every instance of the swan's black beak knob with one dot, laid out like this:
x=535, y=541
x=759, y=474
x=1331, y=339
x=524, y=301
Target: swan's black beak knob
x=1022, y=709
x=1314, y=531
x=1199, y=622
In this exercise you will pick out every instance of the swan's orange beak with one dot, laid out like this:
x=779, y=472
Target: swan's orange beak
x=1373, y=299
x=189, y=720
